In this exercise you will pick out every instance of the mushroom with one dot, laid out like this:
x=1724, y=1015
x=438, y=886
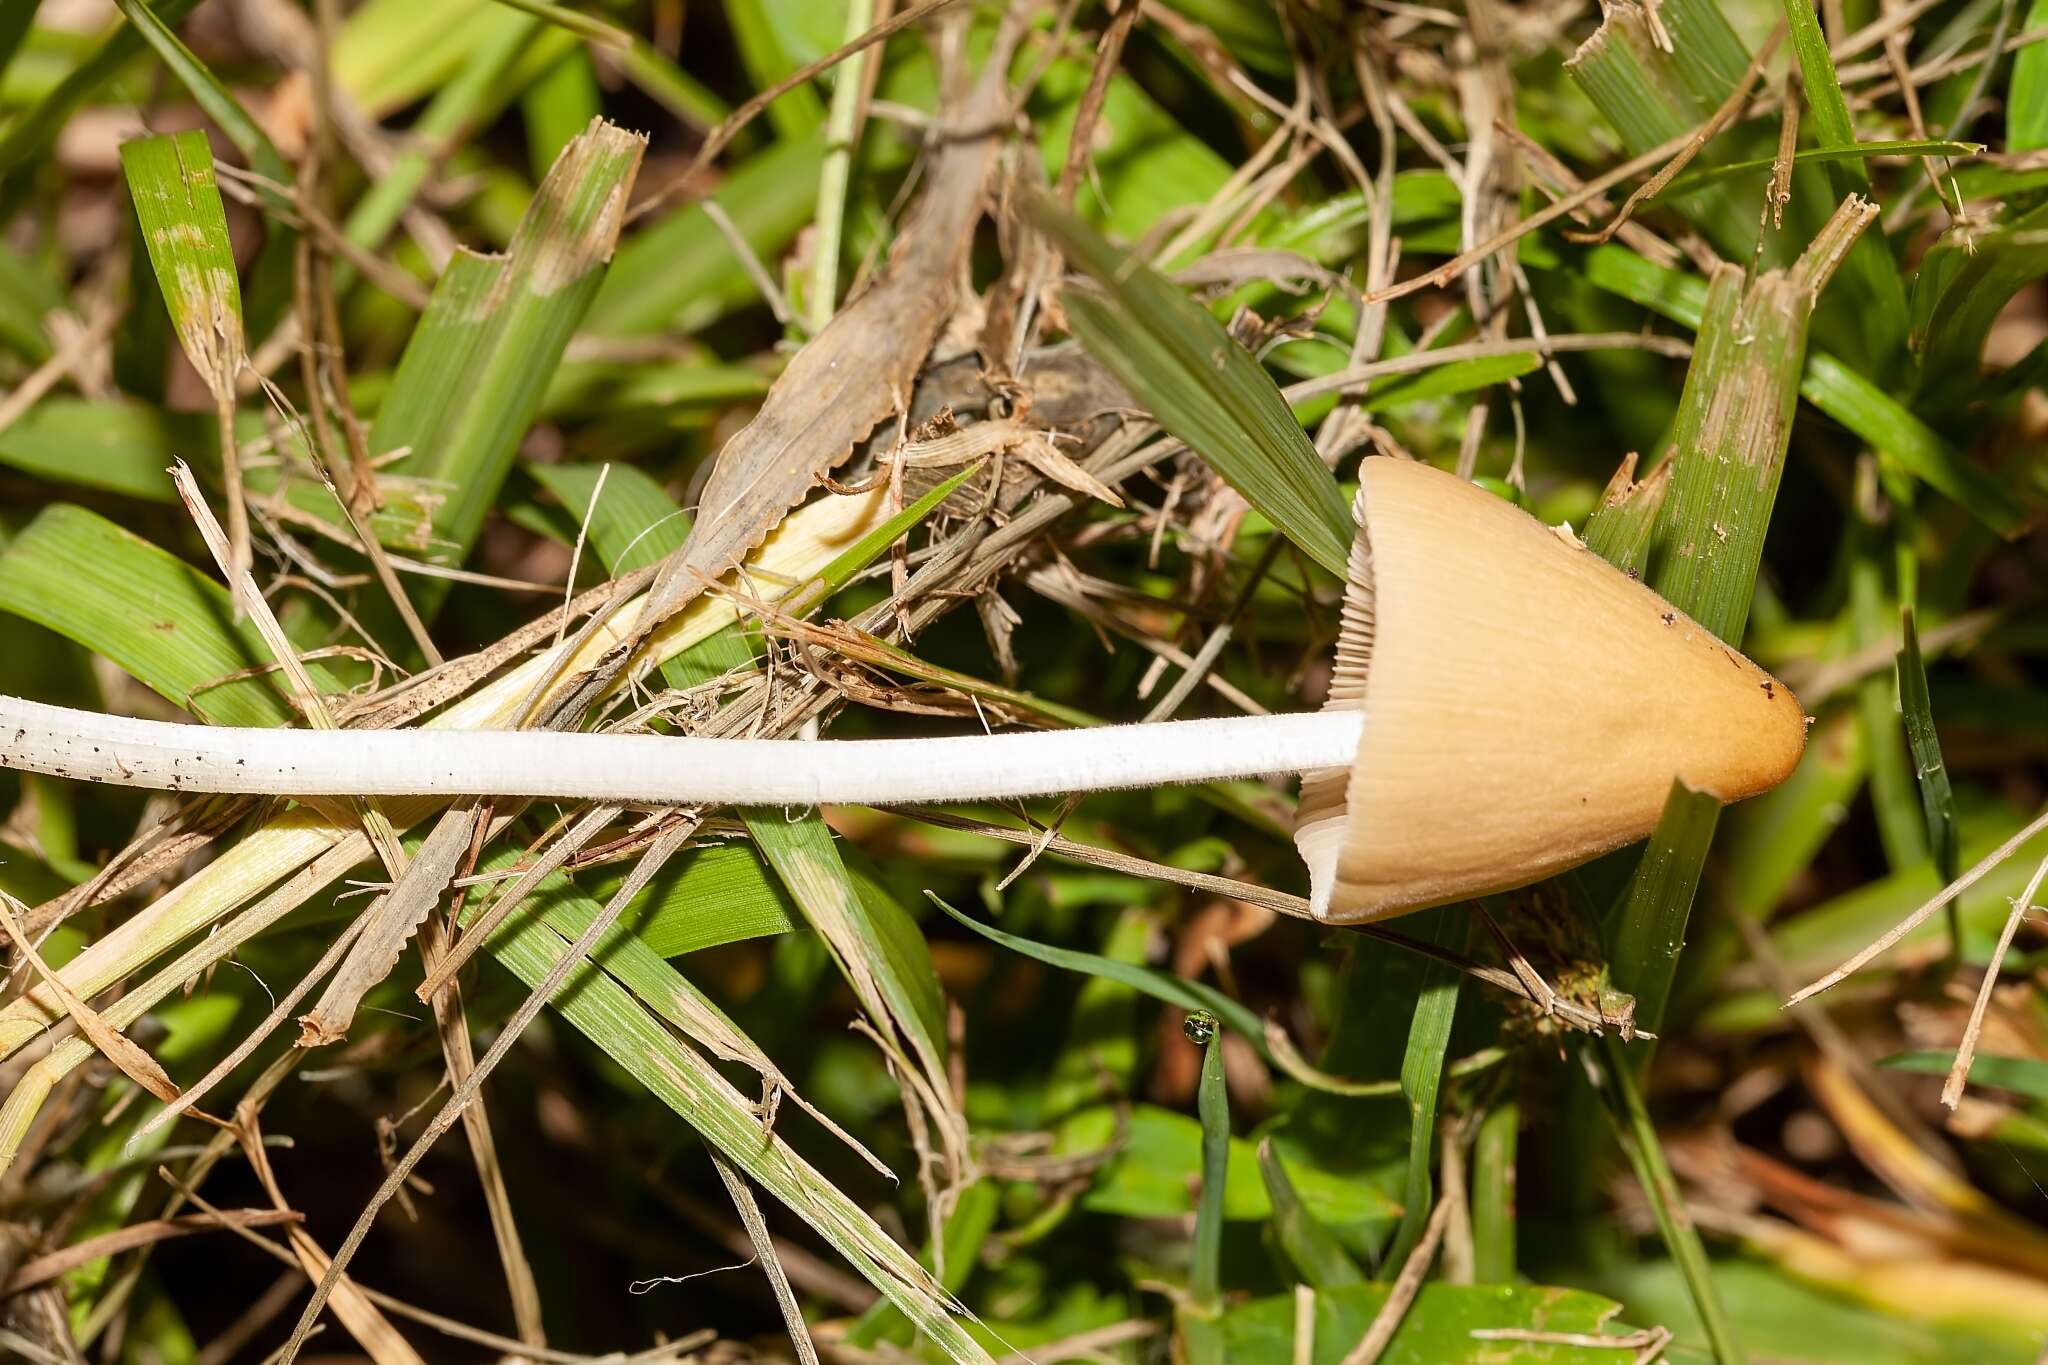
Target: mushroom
x=1528, y=705
x=1505, y=705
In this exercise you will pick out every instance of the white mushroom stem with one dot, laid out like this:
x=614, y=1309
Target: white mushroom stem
x=664, y=770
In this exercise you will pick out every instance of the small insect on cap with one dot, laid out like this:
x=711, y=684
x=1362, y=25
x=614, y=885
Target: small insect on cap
x=1527, y=705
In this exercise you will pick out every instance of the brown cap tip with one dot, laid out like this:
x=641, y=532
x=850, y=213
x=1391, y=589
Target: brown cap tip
x=1528, y=705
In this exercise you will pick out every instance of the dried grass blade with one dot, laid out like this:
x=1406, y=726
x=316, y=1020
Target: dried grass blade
x=124, y=1052
x=56, y=1264
x=363, y=1319
x=305, y=695
x=521, y=1285
x=394, y=919
x=479, y=931
x=1891, y=937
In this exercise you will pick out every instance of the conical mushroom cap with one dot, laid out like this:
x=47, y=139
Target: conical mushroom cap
x=1527, y=705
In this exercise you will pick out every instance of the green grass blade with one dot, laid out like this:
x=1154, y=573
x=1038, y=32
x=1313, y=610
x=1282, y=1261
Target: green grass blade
x=392, y=53
x=1866, y=409
x=1983, y=274
x=473, y=375
x=1212, y=1103
x=765, y=52
x=679, y=272
x=1174, y=990
x=30, y=135
x=1100, y=1045
x=185, y=226
x=2022, y=1075
x=1667, y=1202
x=1145, y=163
x=1651, y=930
x=464, y=102
x=213, y=97
x=28, y=295
x=668, y=85
x=1652, y=92
x=1439, y=1327
x=124, y=447
x=1493, y=1193
x=1831, y=386
x=1894, y=795
x=1827, y=108
x=628, y=959
x=1422, y=1073
x=1937, y=799
x=111, y=446
x=703, y=898
x=2026, y=105
x=1203, y=388
x=1726, y=466
x=966, y=1230
x=142, y=340
x=161, y=620
x=632, y=524
x=607, y=1014
x=1620, y=527
x=557, y=107
x=878, y=946
x=1808, y=156
x=1870, y=278
x=588, y=27
x=15, y=22
x=1317, y=1256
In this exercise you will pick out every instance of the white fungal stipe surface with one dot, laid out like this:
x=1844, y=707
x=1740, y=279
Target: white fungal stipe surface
x=660, y=769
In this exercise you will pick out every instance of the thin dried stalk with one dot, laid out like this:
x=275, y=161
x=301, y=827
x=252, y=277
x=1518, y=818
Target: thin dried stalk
x=332, y=1276
x=1558, y=208
x=1406, y=1286
x=1891, y=937
x=56, y=1264
x=764, y=1251
x=1697, y=143
x=1966, y=1050
x=1080, y=141
x=729, y=127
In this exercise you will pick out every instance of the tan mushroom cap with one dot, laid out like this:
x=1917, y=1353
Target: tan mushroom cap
x=1527, y=705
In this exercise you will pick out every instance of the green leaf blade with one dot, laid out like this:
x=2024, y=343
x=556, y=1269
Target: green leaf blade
x=1202, y=388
